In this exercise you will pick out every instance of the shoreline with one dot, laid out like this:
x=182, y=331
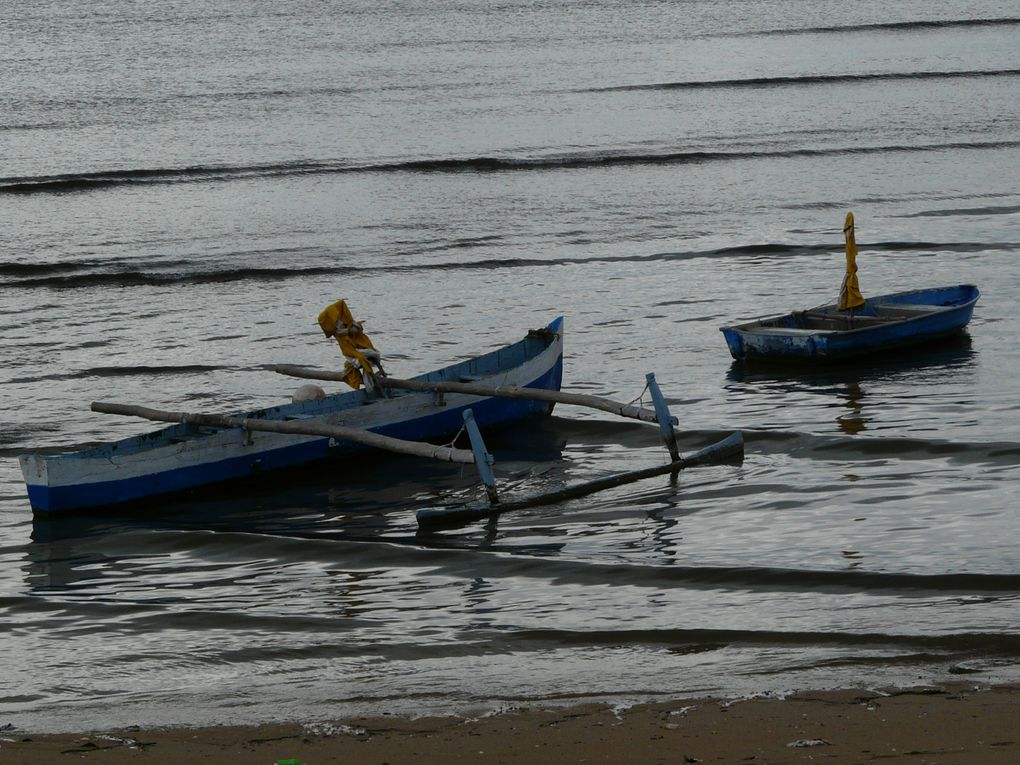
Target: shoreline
x=938, y=725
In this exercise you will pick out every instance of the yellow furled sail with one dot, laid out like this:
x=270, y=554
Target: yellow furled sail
x=338, y=322
x=850, y=293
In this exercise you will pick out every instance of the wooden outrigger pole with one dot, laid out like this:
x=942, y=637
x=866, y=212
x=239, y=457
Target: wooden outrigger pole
x=730, y=447
x=476, y=389
x=297, y=428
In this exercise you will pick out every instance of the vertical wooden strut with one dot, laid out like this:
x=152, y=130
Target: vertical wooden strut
x=483, y=460
x=664, y=417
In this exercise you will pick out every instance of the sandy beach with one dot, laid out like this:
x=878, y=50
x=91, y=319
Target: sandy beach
x=928, y=725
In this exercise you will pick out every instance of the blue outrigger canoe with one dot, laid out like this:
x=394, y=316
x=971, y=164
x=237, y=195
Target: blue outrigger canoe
x=884, y=323
x=187, y=457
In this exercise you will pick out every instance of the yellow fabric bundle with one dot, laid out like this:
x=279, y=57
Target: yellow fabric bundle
x=338, y=322
x=850, y=293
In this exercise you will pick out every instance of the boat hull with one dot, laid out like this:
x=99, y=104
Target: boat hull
x=182, y=457
x=887, y=322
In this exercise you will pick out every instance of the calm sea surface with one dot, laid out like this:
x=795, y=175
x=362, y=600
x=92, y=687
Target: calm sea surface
x=185, y=185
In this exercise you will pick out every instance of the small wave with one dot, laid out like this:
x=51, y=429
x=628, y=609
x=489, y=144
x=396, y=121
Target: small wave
x=23, y=269
x=888, y=26
x=149, y=370
x=811, y=446
x=145, y=618
x=34, y=126
x=592, y=159
x=682, y=301
x=133, y=371
x=814, y=79
x=459, y=563
x=774, y=250
x=617, y=159
x=140, y=176
x=13, y=433
x=992, y=210
x=991, y=642
x=34, y=269
x=765, y=250
x=157, y=279
x=467, y=243
x=960, y=247
x=891, y=199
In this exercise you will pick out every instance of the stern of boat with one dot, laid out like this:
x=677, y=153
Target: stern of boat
x=36, y=474
x=734, y=340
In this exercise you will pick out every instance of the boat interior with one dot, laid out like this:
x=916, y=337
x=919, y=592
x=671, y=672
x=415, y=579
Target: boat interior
x=832, y=320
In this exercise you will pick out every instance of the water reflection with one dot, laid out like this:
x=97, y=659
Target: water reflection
x=58, y=566
x=858, y=389
x=663, y=539
x=371, y=499
x=853, y=422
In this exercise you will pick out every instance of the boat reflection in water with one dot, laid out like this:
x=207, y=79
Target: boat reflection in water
x=853, y=422
x=370, y=499
x=860, y=388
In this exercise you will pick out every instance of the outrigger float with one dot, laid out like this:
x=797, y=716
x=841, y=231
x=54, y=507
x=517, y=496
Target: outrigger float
x=202, y=450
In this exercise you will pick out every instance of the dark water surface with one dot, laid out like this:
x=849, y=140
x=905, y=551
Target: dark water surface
x=183, y=186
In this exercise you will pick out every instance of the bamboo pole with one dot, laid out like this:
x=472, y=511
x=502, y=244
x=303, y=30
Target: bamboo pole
x=477, y=389
x=730, y=447
x=291, y=427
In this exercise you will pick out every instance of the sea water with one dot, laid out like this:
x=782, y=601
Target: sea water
x=185, y=185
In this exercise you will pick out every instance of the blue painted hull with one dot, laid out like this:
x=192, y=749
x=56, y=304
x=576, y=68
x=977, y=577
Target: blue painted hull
x=885, y=323
x=410, y=416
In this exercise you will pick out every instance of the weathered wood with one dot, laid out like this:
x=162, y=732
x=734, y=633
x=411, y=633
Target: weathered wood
x=666, y=421
x=293, y=427
x=477, y=389
x=483, y=460
x=730, y=447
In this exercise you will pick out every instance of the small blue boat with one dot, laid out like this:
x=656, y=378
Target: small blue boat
x=882, y=323
x=189, y=456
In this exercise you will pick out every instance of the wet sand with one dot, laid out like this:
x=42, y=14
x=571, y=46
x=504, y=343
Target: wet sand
x=932, y=725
